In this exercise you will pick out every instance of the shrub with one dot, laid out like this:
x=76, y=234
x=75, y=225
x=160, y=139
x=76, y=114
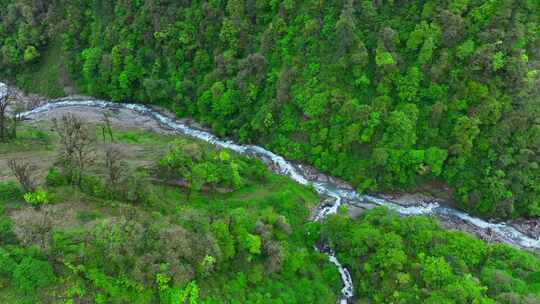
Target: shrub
x=37, y=198
x=24, y=171
x=7, y=264
x=56, y=178
x=94, y=186
x=9, y=191
x=6, y=235
x=87, y=216
x=32, y=274
x=137, y=189
x=18, y=253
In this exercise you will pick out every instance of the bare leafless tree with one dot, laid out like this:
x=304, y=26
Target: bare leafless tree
x=16, y=118
x=106, y=128
x=4, y=102
x=33, y=101
x=34, y=226
x=115, y=166
x=76, y=149
x=7, y=96
x=23, y=171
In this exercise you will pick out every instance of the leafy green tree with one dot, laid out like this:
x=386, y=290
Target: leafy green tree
x=225, y=239
x=465, y=132
x=465, y=49
x=435, y=272
x=30, y=54
x=32, y=274
x=384, y=58
x=497, y=61
x=435, y=158
x=400, y=132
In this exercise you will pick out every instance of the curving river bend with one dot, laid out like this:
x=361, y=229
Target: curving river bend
x=339, y=194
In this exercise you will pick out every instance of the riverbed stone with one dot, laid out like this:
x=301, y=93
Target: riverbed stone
x=528, y=227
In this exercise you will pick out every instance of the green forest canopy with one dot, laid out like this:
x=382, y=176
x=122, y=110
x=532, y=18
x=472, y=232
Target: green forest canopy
x=387, y=94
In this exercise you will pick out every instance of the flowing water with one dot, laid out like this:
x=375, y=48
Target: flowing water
x=297, y=173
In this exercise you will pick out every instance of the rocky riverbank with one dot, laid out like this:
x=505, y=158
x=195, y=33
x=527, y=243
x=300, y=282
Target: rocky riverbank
x=407, y=203
x=531, y=228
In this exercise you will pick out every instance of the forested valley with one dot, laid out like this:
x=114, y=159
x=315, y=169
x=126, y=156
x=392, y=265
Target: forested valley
x=387, y=94
x=439, y=96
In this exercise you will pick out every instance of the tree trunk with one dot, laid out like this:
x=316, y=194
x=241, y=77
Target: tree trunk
x=1, y=128
x=2, y=123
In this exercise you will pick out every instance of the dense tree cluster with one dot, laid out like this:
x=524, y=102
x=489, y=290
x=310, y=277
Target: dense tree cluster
x=411, y=260
x=23, y=32
x=387, y=94
x=195, y=167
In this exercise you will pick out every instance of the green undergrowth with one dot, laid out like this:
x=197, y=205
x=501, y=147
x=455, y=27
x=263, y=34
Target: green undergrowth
x=29, y=138
x=140, y=137
x=238, y=237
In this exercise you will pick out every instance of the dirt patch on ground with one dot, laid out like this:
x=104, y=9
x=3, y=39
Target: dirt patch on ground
x=121, y=119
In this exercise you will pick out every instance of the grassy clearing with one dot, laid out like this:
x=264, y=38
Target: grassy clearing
x=139, y=137
x=29, y=138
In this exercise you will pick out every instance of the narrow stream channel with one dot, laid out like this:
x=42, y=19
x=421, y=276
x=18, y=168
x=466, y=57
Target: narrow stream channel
x=297, y=173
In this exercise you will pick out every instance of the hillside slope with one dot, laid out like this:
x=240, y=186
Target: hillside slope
x=137, y=224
